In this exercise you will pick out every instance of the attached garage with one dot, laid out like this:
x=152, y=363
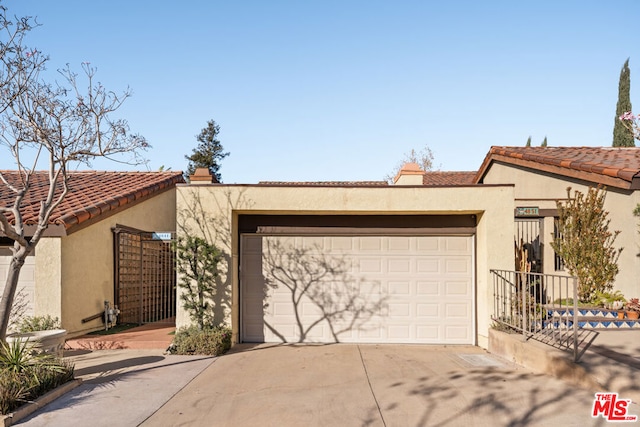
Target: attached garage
x=352, y=262
x=365, y=286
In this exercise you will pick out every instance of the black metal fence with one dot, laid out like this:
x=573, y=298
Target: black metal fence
x=542, y=306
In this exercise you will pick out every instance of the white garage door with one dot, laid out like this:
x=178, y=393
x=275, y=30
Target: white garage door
x=357, y=289
x=26, y=286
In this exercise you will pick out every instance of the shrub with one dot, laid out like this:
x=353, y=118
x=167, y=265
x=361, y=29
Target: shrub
x=12, y=391
x=207, y=341
x=197, y=264
x=38, y=323
x=25, y=375
x=585, y=242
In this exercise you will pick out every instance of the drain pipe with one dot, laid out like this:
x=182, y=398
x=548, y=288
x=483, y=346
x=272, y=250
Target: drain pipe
x=106, y=315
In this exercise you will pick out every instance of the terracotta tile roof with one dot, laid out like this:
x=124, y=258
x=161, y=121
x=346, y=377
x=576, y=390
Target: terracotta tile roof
x=91, y=193
x=449, y=178
x=325, y=183
x=610, y=166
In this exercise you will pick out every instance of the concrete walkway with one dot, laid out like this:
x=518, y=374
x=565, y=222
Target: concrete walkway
x=120, y=387
x=350, y=385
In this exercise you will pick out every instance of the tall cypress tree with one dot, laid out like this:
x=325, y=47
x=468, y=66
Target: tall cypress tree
x=622, y=137
x=528, y=142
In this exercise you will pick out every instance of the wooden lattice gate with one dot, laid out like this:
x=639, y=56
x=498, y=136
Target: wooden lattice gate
x=145, y=276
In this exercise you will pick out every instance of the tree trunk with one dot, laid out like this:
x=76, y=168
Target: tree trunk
x=9, y=292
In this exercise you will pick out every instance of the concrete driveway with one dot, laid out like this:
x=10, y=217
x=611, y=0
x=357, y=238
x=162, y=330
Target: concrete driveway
x=373, y=385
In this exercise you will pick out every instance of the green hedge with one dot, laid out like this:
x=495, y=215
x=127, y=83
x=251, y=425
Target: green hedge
x=206, y=341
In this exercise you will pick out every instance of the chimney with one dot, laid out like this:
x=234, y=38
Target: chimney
x=409, y=174
x=202, y=176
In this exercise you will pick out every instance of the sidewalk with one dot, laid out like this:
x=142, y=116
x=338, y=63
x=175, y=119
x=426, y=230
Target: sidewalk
x=119, y=388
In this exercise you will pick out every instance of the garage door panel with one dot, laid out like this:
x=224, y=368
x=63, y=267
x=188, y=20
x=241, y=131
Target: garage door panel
x=456, y=334
x=341, y=243
x=424, y=289
x=457, y=266
x=457, y=246
x=400, y=244
x=377, y=289
x=370, y=265
x=457, y=310
x=426, y=244
x=427, y=333
x=399, y=266
x=399, y=288
x=400, y=310
x=370, y=287
x=428, y=265
x=310, y=309
x=428, y=310
x=453, y=289
x=368, y=244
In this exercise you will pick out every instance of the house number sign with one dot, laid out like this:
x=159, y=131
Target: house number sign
x=527, y=211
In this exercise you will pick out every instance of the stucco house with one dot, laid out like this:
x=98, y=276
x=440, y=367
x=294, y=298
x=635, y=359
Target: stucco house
x=541, y=175
x=95, y=246
x=404, y=263
x=354, y=261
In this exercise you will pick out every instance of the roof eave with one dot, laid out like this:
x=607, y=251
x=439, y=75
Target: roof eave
x=596, y=178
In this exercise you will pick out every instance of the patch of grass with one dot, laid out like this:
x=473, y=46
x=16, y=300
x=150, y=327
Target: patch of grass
x=121, y=327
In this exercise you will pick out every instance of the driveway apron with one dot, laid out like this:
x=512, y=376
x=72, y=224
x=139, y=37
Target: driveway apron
x=373, y=385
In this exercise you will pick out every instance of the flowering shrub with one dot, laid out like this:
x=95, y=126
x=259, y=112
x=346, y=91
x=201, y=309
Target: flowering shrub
x=631, y=122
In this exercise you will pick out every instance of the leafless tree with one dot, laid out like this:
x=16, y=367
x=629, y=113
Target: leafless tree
x=51, y=126
x=424, y=158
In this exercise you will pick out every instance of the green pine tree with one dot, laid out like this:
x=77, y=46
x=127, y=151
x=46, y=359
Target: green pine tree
x=209, y=152
x=528, y=142
x=622, y=137
x=544, y=143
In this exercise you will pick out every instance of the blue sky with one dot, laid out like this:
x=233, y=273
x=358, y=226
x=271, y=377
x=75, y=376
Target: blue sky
x=340, y=90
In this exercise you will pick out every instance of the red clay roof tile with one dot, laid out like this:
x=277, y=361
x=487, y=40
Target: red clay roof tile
x=434, y=178
x=613, y=166
x=91, y=193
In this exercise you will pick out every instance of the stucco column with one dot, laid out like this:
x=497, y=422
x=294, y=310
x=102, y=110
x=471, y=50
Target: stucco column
x=48, y=291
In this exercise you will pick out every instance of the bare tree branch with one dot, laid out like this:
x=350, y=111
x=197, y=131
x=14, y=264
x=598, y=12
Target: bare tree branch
x=60, y=125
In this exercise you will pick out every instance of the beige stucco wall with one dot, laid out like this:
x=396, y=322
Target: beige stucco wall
x=542, y=190
x=47, y=295
x=74, y=274
x=221, y=205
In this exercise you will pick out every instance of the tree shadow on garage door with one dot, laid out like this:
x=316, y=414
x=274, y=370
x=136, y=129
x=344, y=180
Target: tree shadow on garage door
x=317, y=295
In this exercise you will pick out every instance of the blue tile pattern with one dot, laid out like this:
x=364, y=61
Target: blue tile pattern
x=559, y=318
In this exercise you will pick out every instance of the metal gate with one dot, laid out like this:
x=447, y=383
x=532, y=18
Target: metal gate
x=145, y=276
x=528, y=234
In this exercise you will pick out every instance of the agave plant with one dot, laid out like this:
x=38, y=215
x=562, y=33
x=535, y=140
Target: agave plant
x=20, y=356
